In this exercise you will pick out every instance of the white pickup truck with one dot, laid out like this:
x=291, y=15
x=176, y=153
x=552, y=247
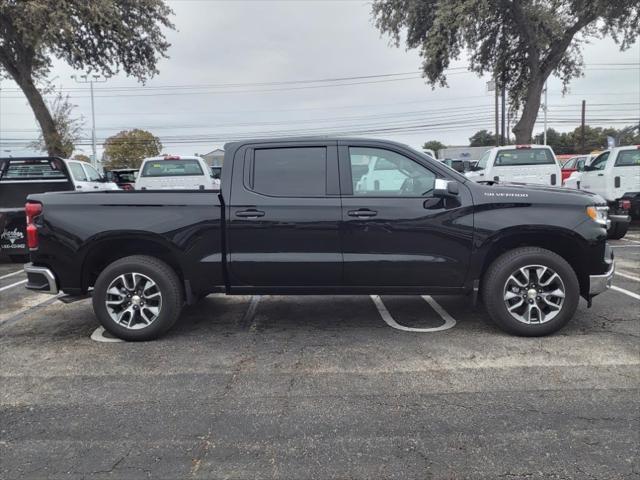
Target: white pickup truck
x=173, y=172
x=534, y=164
x=615, y=176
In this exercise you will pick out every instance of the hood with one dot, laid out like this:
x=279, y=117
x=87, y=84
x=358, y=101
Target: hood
x=536, y=194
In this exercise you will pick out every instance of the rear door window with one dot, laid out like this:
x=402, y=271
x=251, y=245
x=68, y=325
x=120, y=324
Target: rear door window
x=290, y=172
x=77, y=172
x=524, y=156
x=628, y=158
x=171, y=168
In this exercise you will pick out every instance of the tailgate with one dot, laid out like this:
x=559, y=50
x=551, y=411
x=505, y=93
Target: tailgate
x=12, y=231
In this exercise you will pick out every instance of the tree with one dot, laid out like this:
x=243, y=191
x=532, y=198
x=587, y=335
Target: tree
x=127, y=149
x=68, y=128
x=102, y=36
x=434, y=145
x=519, y=42
x=81, y=157
x=482, y=138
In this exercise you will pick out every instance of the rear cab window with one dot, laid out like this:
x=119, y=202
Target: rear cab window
x=524, y=156
x=27, y=169
x=171, y=168
x=289, y=172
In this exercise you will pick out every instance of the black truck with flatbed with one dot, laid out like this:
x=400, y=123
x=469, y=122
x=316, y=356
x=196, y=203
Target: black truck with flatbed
x=323, y=216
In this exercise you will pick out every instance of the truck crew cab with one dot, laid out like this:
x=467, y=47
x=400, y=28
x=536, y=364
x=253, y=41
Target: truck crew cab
x=294, y=217
x=615, y=176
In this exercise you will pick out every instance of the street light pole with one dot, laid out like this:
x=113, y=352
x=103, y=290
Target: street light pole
x=545, y=114
x=91, y=79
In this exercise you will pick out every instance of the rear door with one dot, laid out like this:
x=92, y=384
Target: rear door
x=626, y=172
x=394, y=232
x=526, y=164
x=79, y=175
x=284, y=216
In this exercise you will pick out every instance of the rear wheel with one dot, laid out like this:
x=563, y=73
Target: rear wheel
x=530, y=291
x=137, y=298
x=617, y=230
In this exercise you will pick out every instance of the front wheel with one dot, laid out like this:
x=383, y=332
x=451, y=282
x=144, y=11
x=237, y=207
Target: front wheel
x=137, y=298
x=617, y=231
x=530, y=291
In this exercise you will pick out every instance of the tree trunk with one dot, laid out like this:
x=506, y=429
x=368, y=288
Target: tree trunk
x=50, y=133
x=523, y=130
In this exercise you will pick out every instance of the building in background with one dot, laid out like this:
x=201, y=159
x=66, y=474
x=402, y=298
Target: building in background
x=214, y=158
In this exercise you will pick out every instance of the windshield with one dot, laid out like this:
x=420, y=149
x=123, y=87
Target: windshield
x=171, y=168
x=524, y=156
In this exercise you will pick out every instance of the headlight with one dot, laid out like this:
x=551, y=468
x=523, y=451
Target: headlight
x=598, y=214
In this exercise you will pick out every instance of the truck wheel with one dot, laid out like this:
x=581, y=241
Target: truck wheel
x=617, y=231
x=137, y=298
x=530, y=291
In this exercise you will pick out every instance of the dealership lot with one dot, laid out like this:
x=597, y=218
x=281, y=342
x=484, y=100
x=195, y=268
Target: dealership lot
x=321, y=387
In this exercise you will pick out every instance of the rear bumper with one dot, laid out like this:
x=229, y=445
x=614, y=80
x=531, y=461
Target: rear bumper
x=602, y=282
x=41, y=279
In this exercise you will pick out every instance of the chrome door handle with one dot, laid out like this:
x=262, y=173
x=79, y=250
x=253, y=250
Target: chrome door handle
x=249, y=213
x=362, y=213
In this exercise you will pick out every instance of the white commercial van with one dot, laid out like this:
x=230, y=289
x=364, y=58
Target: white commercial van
x=518, y=163
x=173, y=172
x=615, y=176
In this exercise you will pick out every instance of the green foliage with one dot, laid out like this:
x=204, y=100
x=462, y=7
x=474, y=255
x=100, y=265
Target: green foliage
x=127, y=149
x=520, y=42
x=482, y=138
x=434, y=145
x=595, y=138
x=102, y=36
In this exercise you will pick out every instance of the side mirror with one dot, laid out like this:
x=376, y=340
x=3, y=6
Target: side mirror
x=466, y=165
x=445, y=188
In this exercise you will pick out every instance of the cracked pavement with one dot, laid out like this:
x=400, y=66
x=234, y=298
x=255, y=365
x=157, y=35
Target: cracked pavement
x=321, y=387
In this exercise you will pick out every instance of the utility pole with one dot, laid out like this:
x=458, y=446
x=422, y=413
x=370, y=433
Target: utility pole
x=545, y=114
x=584, y=107
x=495, y=88
x=91, y=79
x=503, y=120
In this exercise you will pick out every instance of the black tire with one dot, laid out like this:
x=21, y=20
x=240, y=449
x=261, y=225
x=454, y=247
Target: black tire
x=19, y=258
x=495, y=280
x=617, y=231
x=167, y=282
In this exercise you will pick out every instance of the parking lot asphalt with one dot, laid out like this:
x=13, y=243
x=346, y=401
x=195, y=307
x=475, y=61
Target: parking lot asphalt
x=322, y=387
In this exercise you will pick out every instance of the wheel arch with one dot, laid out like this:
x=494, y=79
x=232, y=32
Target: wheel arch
x=106, y=250
x=564, y=242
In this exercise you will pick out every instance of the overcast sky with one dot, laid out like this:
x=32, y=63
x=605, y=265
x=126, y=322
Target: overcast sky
x=192, y=108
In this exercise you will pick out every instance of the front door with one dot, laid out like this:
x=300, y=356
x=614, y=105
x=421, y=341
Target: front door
x=394, y=231
x=80, y=179
x=594, y=180
x=284, y=216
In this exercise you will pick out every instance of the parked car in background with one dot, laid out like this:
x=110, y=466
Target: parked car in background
x=86, y=178
x=288, y=221
x=535, y=164
x=174, y=172
x=615, y=176
x=574, y=164
x=125, y=178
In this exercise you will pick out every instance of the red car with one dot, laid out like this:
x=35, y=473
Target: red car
x=574, y=164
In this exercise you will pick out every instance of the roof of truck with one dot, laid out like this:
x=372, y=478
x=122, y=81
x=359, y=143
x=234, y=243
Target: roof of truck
x=330, y=138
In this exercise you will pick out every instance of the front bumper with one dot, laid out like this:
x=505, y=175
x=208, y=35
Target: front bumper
x=40, y=279
x=600, y=283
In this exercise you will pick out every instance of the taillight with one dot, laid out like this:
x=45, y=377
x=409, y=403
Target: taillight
x=625, y=204
x=32, y=210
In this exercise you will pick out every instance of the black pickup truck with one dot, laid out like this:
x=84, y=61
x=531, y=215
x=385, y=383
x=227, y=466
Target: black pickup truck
x=323, y=216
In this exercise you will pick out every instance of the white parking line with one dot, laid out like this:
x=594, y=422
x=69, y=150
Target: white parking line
x=449, y=321
x=627, y=275
x=13, y=285
x=11, y=274
x=98, y=336
x=626, y=292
